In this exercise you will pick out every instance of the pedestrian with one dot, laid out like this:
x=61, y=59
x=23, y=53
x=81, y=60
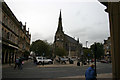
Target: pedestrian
x=16, y=63
x=78, y=63
x=20, y=63
x=35, y=60
x=43, y=63
x=88, y=61
x=90, y=73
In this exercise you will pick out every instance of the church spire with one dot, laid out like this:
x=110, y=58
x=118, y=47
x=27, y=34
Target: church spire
x=60, y=17
x=60, y=28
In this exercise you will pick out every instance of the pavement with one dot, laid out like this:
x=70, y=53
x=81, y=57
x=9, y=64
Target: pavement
x=12, y=65
x=105, y=75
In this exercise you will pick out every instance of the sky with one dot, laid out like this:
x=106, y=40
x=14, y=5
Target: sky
x=83, y=19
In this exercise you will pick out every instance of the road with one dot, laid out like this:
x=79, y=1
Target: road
x=30, y=70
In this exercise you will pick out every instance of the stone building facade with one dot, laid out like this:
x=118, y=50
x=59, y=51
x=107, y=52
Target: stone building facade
x=107, y=48
x=15, y=37
x=113, y=9
x=62, y=40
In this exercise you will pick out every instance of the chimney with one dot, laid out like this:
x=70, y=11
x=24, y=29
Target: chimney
x=25, y=26
x=28, y=30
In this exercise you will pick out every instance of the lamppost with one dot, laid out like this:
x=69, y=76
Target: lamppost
x=69, y=50
x=95, y=58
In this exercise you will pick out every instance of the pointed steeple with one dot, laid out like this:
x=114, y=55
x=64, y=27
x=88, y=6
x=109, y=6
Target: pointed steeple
x=60, y=28
x=60, y=17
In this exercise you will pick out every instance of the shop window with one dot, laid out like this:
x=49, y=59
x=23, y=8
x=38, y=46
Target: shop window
x=3, y=19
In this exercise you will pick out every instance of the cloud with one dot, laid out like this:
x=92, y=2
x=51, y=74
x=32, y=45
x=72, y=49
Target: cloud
x=96, y=32
x=36, y=36
x=84, y=20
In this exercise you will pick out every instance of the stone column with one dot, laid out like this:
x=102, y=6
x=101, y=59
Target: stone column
x=8, y=52
x=4, y=55
x=114, y=17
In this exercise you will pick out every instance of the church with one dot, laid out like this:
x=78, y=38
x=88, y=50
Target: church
x=62, y=40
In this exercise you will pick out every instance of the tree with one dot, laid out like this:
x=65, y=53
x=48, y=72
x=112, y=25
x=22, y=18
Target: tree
x=41, y=48
x=60, y=52
x=99, y=51
x=26, y=54
x=87, y=53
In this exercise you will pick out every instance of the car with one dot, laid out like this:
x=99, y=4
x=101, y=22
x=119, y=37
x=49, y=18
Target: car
x=41, y=60
x=103, y=61
x=30, y=57
x=73, y=59
x=63, y=60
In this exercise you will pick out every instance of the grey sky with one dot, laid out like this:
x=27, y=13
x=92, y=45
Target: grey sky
x=83, y=20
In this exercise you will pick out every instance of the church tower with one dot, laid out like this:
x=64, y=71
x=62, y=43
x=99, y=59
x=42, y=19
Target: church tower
x=62, y=40
x=60, y=28
x=59, y=36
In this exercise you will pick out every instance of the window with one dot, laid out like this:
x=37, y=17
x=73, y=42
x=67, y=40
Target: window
x=17, y=31
x=13, y=28
x=3, y=18
x=2, y=32
x=6, y=20
x=22, y=27
x=11, y=38
x=8, y=35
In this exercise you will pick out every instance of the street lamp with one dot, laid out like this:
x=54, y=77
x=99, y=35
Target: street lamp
x=95, y=58
x=69, y=50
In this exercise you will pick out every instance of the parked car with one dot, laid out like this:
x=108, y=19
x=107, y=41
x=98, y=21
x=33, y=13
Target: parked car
x=41, y=60
x=73, y=59
x=63, y=60
x=103, y=61
x=30, y=57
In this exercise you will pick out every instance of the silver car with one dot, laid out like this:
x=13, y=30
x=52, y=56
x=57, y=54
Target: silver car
x=41, y=60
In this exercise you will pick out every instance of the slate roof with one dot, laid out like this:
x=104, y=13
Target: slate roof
x=70, y=39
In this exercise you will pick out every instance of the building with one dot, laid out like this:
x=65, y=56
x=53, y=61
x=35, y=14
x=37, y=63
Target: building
x=113, y=9
x=107, y=48
x=15, y=37
x=62, y=40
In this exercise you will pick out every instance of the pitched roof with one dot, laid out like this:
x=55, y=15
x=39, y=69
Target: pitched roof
x=70, y=39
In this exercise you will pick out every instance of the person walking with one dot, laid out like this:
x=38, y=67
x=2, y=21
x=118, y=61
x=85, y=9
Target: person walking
x=90, y=73
x=16, y=63
x=20, y=63
x=35, y=60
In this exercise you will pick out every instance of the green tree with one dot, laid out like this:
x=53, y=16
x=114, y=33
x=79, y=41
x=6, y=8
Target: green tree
x=26, y=54
x=87, y=53
x=40, y=47
x=99, y=49
x=60, y=52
